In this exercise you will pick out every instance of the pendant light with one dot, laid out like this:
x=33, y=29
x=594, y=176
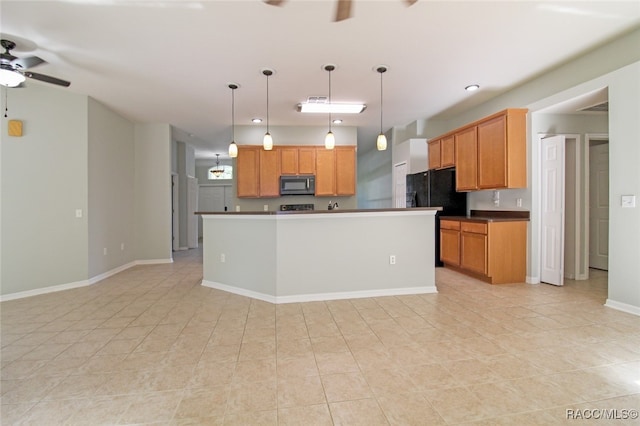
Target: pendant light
x=217, y=172
x=381, y=142
x=233, y=148
x=330, y=139
x=267, y=141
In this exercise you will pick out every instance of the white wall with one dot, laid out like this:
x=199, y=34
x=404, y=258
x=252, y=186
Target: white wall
x=44, y=181
x=111, y=190
x=152, y=204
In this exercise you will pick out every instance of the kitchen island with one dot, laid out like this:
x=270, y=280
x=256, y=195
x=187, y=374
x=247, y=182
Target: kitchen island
x=297, y=256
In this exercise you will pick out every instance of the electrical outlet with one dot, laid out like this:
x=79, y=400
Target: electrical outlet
x=78, y=213
x=519, y=202
x=104, y=250
x=122, y=246
x=266, y=207
x=223, y=258
x=392, y=259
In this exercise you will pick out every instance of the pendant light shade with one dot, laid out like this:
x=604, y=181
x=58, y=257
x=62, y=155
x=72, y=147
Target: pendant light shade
x=381, y=142
x=330, y=139
x=267, y=141
x=233, y=148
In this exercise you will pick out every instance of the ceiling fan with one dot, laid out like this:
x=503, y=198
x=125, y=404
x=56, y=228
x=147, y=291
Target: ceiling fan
x=13, y=70
x=343, y=11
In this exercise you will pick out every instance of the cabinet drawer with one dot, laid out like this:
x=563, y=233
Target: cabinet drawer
x=450, y=224
x=474, y=227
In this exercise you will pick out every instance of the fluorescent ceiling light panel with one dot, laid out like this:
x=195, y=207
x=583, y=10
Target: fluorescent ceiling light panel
x=334, y=108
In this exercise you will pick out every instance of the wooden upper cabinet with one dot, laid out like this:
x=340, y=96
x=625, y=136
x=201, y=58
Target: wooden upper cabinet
x=325, y=172
x=247, y=171
x=447, y=152
x=269, y=181
x=297, y=160
x=466, y=160
x=345, y=170
x=442, y=153
x=288, y=160
x=307, y=160
x=434, y=154
x=502, y=151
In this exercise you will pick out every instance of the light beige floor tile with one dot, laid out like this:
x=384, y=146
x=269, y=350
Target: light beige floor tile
x=252, y=396
x=152, y=407
x=338, y=362
x=257, y=418
x=258, y=370
x=310, y=415
x=300, y=391
x=346, y=387
x=365, y=412
x=203, y=403
x=409, y=409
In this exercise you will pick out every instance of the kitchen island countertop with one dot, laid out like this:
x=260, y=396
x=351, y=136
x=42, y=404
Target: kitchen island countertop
x=338, y=210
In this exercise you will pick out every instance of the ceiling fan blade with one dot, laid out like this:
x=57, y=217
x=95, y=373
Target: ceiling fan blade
x=343, y=11
x=274, y=2
x=410, y=2
x=47, y=79
x=28, y=62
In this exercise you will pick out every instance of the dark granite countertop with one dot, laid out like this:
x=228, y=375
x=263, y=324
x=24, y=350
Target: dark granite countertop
x=492, y=216
x=290, y=212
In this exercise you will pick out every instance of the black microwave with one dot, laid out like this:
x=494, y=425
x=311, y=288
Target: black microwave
x=298, y=185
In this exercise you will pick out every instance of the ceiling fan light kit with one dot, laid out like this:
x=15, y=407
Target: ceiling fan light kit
x=13, y=69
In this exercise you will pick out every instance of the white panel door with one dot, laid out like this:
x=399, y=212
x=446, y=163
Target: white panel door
x=400, y=185
x=552, y=198
x=599, y=206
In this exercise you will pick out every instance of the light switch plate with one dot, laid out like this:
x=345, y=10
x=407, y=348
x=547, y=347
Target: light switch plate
x=628, y=201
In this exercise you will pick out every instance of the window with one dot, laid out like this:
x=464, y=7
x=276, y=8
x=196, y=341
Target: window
x=227, y=172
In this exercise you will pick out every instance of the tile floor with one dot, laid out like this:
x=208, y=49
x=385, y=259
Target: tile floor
x=152, y=346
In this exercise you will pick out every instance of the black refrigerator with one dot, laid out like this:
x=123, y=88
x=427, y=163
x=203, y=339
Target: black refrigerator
x=436, y=188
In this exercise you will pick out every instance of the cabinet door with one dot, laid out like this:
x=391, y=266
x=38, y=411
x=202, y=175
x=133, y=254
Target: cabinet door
x=325, y=172
x=434, y=154
x=466, y=160
x=307, y=161
x=450, y=246
x=288, y=160
x=473, y=252
x=269, y=173
x=447, y=152
x=492, y=153
x=345, y=170
x=247, y=171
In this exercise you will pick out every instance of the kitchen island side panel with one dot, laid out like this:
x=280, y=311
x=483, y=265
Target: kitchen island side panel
x=350, y=254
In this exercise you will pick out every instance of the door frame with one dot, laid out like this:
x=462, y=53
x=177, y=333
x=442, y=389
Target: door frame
x=588, y=138
x=403, y=198
x=175, y=212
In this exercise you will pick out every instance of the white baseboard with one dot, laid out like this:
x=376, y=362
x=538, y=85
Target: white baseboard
x=532, y=280
x=317, y=297
x=624, y=307
x=83, y=283
x=43, y=290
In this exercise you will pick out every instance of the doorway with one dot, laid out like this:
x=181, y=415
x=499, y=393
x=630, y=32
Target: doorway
x=598, y=202
x=400, y=185
x=212, y=198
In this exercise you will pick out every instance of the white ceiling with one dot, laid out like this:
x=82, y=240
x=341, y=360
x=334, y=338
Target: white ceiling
x=171, y=61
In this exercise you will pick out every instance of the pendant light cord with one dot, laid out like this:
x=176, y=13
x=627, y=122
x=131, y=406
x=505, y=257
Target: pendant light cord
x=267, y=74
x=233, y=115
x=330, y=100
x=381, y=103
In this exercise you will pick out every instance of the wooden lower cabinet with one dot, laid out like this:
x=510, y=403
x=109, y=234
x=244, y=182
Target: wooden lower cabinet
x=494, y=251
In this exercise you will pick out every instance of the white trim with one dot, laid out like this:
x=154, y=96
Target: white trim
x=44, y=290
x=624, y=307
x=83, y=283
x=318, y=297
x=153, y=261
x=112, y=272
x=532, y=280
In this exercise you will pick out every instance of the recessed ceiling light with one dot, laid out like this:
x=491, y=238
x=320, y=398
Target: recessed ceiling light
x=256, y=120
x=337, y=121
x=472, y=87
